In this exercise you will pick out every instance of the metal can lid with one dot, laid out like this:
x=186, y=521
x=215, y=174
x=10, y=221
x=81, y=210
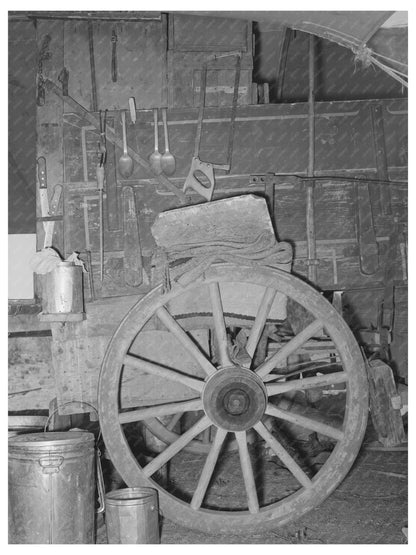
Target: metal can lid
x=44, y=439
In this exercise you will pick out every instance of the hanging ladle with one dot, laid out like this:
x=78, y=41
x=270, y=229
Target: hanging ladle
x=168, y=160
x=155, y=158
x=125, y=164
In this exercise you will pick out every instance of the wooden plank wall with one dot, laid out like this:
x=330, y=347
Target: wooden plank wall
x=268, y=139
x=141, y=54
x=31, y=384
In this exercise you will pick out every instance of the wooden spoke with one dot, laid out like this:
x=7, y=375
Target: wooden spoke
x=219, y=324
x=308, y=366
x=175, y=419
x=160, y=410
x=157, y=370
x=176, y=446
x=289, y=348
x=261, y=316
x=305, y=422
x=283, y=455
x=206, y=436
x=208, y=469
x=253, y=502
x=306, y=383
x=169, y=321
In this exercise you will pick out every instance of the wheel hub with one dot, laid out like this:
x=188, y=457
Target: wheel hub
x=234, y=399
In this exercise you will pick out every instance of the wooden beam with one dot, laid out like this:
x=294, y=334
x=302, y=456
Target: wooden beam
x=281, y=66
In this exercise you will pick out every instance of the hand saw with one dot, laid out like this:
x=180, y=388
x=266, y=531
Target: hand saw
x=199, y=169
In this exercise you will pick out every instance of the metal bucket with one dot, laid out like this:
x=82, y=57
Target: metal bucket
x=132, y=516
x=52, y=488
x=62, y=290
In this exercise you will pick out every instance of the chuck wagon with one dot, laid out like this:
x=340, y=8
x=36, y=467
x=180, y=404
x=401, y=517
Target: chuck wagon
x=221, y=341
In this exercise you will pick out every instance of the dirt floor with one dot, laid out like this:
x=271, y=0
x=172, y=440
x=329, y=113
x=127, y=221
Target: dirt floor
x=369, y=507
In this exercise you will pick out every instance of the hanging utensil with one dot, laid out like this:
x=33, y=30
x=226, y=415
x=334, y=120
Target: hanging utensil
x=90, y=275
x=367, y=240
x=125, y=163
x=43, y=55
x=114, y=56
x=43, y=189
x=132, y=107
x=63, y=78
x=109, y=161
x=112, y=190
x=155, y=158
x=92, y=66
x=381, y=194
x=100, y=186
x=103, y=139
x=168, y=161
x=133, y=263
x=112, y=137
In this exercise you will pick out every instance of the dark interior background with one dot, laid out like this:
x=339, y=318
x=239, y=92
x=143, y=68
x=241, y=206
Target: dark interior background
x=22, y=126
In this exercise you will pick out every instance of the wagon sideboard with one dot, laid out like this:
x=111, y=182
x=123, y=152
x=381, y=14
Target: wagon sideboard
x=271, y=165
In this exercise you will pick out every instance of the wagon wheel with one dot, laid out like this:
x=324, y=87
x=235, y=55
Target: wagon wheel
x=235, y=399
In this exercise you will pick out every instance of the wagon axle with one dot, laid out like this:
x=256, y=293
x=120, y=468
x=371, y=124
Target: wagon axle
x=234, y=399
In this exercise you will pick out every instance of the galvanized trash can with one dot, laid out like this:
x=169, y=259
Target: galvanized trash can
x=132, y=516
x=52, y=488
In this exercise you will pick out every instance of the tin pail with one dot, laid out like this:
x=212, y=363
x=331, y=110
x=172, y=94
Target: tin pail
x=132, y=516
x=52, y=488
x=63, y=290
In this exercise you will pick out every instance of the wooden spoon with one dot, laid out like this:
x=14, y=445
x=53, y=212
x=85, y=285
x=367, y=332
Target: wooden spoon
x=168, y=160
x=125, y=164
x=155, y=158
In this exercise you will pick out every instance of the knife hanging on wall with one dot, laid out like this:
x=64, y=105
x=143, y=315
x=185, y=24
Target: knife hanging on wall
x=48, y=209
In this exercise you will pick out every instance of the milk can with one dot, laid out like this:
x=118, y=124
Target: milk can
x=52, y=488
x=63, y=290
